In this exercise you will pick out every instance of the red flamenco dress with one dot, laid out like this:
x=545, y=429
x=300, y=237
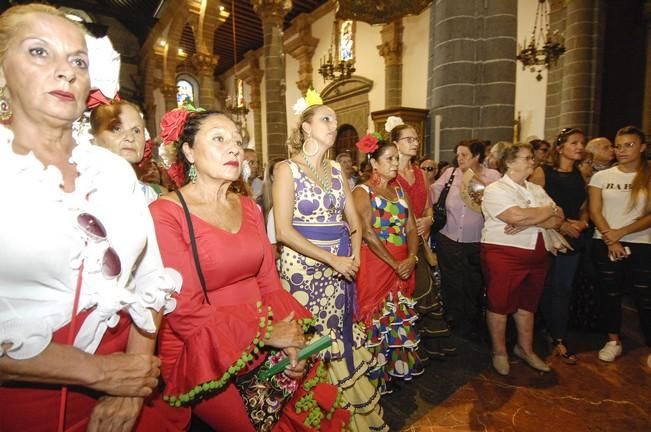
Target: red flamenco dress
x=204, y=347
x=385, y=303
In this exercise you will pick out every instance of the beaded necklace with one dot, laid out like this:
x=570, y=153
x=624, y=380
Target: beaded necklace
x=326, y=185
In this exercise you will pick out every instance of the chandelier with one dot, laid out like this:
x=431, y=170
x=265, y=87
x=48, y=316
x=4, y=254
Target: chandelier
x=545, y=47
x=333, y=67
x=236, y=105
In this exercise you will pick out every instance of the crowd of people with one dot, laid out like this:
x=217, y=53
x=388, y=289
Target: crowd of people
x=134, y=298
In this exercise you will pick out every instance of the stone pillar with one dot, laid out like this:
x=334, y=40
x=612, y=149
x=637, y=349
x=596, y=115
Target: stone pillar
x=205, y=64
x=391, y=50
x=272, y=13
x=471, y=81
x=169, y=92
x=646, y=107
x=579, y=93
x=302, y=47
x=554, y=75
x=252, y=76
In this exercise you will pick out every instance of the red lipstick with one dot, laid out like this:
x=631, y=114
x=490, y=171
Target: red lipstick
x=63, y=96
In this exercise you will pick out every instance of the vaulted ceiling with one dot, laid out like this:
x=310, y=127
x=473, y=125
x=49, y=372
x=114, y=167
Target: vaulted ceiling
x=138, y=17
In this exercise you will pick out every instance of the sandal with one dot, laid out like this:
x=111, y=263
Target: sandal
x=559, y=349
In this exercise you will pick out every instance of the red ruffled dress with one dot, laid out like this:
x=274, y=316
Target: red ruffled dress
x=384, y=301
x=204, y=346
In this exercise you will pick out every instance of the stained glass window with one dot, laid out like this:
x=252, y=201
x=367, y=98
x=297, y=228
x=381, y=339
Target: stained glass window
x=184, y=92
x=346, y=40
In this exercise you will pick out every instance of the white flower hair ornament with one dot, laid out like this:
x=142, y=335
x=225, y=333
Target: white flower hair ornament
x=104, y=66
x=392, y=122
x=311, y=98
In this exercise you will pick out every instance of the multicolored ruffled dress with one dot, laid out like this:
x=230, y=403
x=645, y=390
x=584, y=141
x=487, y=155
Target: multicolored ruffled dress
x=318, y=216
x=215, y=341
x=384, y=301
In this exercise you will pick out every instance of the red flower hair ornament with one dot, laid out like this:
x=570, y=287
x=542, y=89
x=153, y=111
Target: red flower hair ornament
x=369, y=143
x=171, y=124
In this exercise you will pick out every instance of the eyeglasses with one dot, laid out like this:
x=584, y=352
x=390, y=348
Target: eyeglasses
x=428, y=168
x=627, y=145
x=527, y=158
x=93, y=228
x=544, y=149
x=409, y=139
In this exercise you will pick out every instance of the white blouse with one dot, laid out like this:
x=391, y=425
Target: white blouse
x=502, y=195
x=42, y=248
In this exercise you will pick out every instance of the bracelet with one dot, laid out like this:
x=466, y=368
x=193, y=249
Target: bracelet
x=415, y=257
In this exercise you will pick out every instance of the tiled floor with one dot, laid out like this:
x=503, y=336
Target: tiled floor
x=465, y=394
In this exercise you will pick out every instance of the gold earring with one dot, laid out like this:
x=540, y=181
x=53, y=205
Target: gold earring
x=5, y=109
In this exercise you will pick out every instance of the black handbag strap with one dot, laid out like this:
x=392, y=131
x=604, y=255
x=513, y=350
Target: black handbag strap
x=448, y=185
x=195, y=251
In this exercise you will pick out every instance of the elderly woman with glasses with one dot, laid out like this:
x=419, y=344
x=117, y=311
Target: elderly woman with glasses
x=81, y=282
x=514, y=254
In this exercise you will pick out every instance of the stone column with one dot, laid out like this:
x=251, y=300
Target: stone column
x=252, y=76
x=272, y=13
x=302, y=47
x=646, y=107
x=554, y=75
x=205, y=64
x=471, y=81
x=579, y=93
x=391, y=50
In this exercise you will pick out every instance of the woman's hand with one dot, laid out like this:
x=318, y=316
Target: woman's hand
x=570, y=229
x=346, y=266
x=405, y=267
x=286, y=333
x=616, y=251
x=612, y=236
x=122, y=374
x=512, y=229
x=115, y=414
x=296, y=368
x=422, y=224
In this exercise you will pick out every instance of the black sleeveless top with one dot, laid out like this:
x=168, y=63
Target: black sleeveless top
x=567, y=189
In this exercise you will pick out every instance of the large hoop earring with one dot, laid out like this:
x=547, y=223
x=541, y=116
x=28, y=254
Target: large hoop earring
x=5, y=109
x=309, y=140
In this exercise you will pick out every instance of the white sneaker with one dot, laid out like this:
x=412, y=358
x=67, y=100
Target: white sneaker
x=610, y=351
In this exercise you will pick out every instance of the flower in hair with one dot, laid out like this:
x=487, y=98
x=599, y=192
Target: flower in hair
x=103, y=66
x=392, y=122
x=369, y=143
x=311, y=98
x=171, y=124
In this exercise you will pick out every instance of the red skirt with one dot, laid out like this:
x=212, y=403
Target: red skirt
x=376, y=280
x=515, y=277
x=29, y=407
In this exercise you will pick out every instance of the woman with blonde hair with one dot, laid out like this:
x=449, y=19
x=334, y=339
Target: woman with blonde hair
x=82, y=286
x=620, y=207
x=318, y=227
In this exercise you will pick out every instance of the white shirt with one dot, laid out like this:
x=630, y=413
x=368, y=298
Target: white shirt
x=616, y=188
x=43, y=248
x=502, y=195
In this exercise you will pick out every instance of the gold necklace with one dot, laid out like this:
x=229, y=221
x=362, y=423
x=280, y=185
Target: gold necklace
x=325, y=185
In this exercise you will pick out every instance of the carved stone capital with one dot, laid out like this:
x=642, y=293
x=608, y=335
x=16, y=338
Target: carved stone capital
x=272, y=11
x=391, y=46
x=205, y=63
